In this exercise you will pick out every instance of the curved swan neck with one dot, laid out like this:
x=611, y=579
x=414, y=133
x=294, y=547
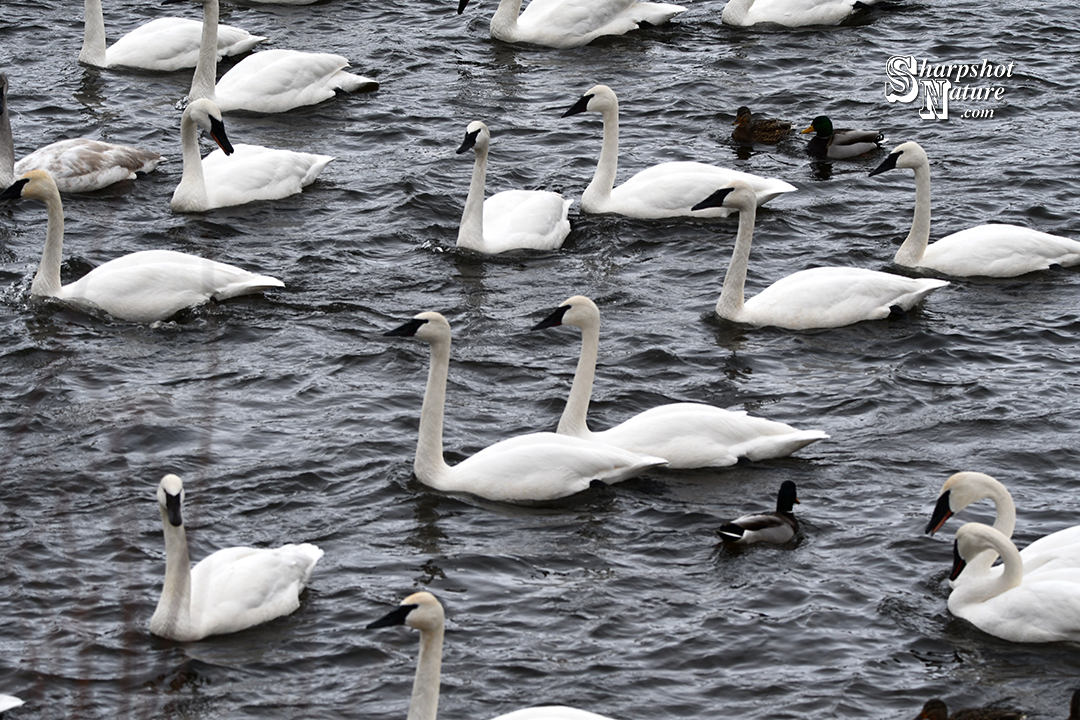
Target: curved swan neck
x=1013, y=571
x=574, y=420
x=731, y=296
x=192, y=186
x=424, y=704
x=603, y=180
x=204, y=81
x=471, y=230
x=504, y=21
x=911, y=251
x=7, y=145
x=93, y=47
x=173, y=613
x=430, y=466
x=47, y=279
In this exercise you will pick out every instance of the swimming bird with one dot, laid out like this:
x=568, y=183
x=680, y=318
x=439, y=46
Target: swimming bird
x=775, y=527
x=165, y=44
x=511, y=219
x=666, y=190
x=423, y=612
x=526, y=468
x=572, y=23
x=235, y=174
x=935, y=709
x=9, y=702
x=840, y=144
x=791, y=13
x=994, y=250
x=687, y=435
x=1074, y=707
x=229, y=590
x=144, y=286
x=749, y=129
x=822, y=297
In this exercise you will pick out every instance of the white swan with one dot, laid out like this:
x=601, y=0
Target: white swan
x=989, y=250
x=822, y=297
x=145, y=286
x=164, y=44
x=572, y=23
x=422, y=611
x=9, y=702
x=77, y=165
x=1020, y=607
x=666, y=190
x=235, y=174
x=687, y=435
x=790, y=13
x=229, y=590
x=775, y=527
x=526, y=468
x=512, y=219
x=271, y=81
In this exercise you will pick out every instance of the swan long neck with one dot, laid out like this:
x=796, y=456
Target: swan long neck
x=7, y=147
x=504, y=21
x=204, y=81
x=173, y=613
x=911, y=251
x=731, y=299
x=93, y=47
x=47, y=279
x=430, y=466
x=603, y=180
x=424, y=704
x=1004, y=522
x=471, y=231
x=574, y=420
x=192, y=184
x=1013, y=571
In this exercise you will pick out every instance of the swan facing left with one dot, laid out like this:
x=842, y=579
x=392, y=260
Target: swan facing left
x=229, y=590
x=143, y=287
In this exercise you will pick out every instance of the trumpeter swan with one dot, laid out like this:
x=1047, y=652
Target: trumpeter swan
x=526, y=468
x=749, y=129
x=512, y=219
x=164, y=44
x=842, y=143
x=422, y=611
x=572, y=23
x=774, y=527
x=936, y=709
x=822, y=297
x=989, y=250
x=687, y=435
x=235, y=174
x=666, y=190
x=790, y=13
x=145, y=286
x=229, y=590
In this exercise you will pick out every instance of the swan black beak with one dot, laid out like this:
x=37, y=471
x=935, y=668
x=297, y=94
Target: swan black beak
x=958, y=562
x=887, y=164
x=394, y=617
x=469, y=142
x=461, y=6
x=14, y=192
x=714, y=200
x=172, y=508
x=942, y=512
x=579, y=107
x=217, y=131
x=552, y=320
x=407, y=330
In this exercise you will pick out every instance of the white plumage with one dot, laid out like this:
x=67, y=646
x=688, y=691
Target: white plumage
x=790, y=13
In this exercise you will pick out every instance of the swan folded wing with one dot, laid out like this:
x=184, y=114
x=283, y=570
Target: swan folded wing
x=168, y=44
x=675, y=187
x=254, y=172
x=280, y=80
x=1065, y=541
x=1043, y=608
x=525, y=219
x=790, y=13
x=551, y=712
x=999, y=250
x=84, y=165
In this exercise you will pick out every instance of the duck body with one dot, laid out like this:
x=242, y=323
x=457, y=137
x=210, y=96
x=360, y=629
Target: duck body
x=840, y=144
x=776, y=527
x=790, y=13
x=749, y=129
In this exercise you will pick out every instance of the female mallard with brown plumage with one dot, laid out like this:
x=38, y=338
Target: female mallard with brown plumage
x=749, y=129
x=935, y=710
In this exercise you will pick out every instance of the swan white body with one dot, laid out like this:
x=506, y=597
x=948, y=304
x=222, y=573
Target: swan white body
x=422, y=611
x=165, y=44
x=234, y=175
x=822, y=297
x=666, y=190
x=145, y=286
x=527, y=468
x=1019, y=606
x=790, y=13
x=993, y=250
x=687, y=435
x=229, y=590
x=512, y=219
x=573, y=23
x=9, y=702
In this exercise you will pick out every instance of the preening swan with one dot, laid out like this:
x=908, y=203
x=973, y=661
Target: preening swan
x=229, y=590
x=533, y=467
x=1040, y=606
x=666, y=190
x=822, y=297
x=164, y=44
x=422, y=611
x=687, y=435
x=774, y=527
x=249, y=173
x=749, y=129
x=790, y=13
x=512, y=219
x=272, y=81
x=77, y=165
x=936, y=710
x=842, y=143
x=145, y=286
x=572, y=23
x=989, y=250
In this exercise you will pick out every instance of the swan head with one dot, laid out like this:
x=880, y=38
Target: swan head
x=205, y=114
x=578, y=311
x=600, y=99
x=477, y=137
x=170, y=496
x=34, y=185
x=787, y=498
x=736, y=195
x=420, y=611
x=906, y=155
x=821, y=124
x=959, y=491
x=428, y=326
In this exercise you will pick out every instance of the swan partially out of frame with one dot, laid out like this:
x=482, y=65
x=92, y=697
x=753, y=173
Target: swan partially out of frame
x=790, y=13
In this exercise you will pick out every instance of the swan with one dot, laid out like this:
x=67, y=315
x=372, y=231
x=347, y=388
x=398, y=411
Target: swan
x=533, y=467
x=423, y=612
x=936, y=709
x=749, y=129
x=165, y=44
x=572, y=23
x=775, y=527
x=687, y=435
x=790, y=13
x=512, y=219
x=822, y=297
x=229, y=590
x=840, y=144
x=249, y=173
x=663, y=190
x=988, y=250
x=145, y=286
x=1014, y=605
x=9, y=702
x=77, y=165
x=271, y=81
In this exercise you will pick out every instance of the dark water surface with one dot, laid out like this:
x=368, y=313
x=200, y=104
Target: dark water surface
x=291, y=418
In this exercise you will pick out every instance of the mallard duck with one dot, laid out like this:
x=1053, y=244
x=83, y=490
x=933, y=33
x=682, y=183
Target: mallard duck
x=935, y=710
x=763, y=130
x=839, y=144
x=774, y=527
